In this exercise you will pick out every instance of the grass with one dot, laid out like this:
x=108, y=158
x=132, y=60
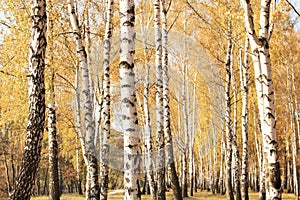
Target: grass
x=204, y=195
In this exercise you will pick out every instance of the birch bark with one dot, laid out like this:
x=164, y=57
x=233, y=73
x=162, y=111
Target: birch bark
x=244, y=90
x=265, y=94
x=159, y=104
x=128, y=101
x=106, y=102
x=36, y=100
x=228, y=121
x=93, y=192
x=166, y=108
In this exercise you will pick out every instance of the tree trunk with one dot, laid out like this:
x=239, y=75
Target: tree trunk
x=244, y=89
x=128, y=99
x=221, y=183
x=106, y=102
x=148, y=131
x=92, y=167
x=53, y=146
x=290, y=85
x=265, y=94
x=159, y=104
x=77, y=169
x=36, y=99
x=236, y=174
x=228, y=122
x=215, y=172
x=289, y=172
x=296, y=127
x=166, y=108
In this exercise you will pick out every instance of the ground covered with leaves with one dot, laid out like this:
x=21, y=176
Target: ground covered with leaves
x=203, y=195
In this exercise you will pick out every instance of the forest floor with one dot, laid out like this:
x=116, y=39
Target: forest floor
x=203, y=195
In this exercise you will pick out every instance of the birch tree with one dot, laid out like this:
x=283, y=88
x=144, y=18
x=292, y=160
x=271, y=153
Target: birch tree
x=265, y=93
x=166, y=108
x=228, y=121
x=184, y=184
x=106, y=102
x=53, y=146
x=235, y=154
x=36, y=100
x=128, y=101
x=147, y=128
x=93, y=192
x=160, y=144
x=244, y=89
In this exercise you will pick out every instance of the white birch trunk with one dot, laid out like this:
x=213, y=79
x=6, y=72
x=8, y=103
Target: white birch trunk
x=166, y=108
x=148, y=131
x=228, y=122
x=244, y=90
x=106, y=102
x=93, y=192
x=263, y=75
x=159, y=104
x=53, y=146
x=221, y=182
x=235, y=157
x=128, y=102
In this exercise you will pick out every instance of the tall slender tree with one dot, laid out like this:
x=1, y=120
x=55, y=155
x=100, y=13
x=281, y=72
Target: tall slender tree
x=93, y=192
x=228, y=121
x=149, y=158
x=54, y=193
x=265, y=93
x=128, y=101
x=106, y=101
x=244, y=88
x=36, y=100
x=160, y=144
x=166, y=107
x=235, y=153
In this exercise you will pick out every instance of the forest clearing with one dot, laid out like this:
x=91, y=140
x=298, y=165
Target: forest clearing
x=178, y=99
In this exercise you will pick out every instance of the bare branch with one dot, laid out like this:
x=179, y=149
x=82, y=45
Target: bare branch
x=66, y=80
x=293, y=7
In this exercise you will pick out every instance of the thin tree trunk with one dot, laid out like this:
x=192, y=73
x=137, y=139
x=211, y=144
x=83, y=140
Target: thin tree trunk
x=159, y=104
x=184, y=184
x=228, y=122
x=166, y=108
x=92, y=167
x=192, y=139
x=53, y=146
x=128, y=99
x=291, y=109
x=106, y=102
x=148, y=131
x=36, y=99
x=289, y=173
x=221, y=184
x=236, y=175
x=297, y=128
x=244, y=89
x=215, y=173
x=77, y=169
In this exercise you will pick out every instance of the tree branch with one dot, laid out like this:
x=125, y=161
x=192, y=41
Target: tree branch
x=293, y=7
x=66, y=80
x=249, y=21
